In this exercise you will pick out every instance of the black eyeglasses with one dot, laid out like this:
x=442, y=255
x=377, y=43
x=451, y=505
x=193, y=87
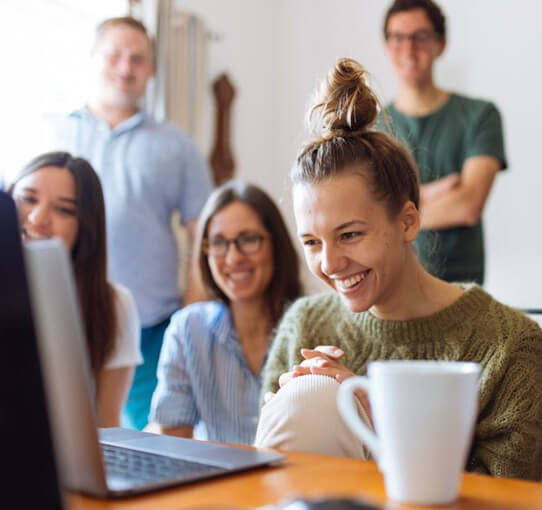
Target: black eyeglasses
x=247, y=244
x=419, y=38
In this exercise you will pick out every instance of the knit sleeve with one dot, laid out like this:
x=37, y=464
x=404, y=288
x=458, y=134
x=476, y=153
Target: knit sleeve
x=508, y=437
x=292, y=334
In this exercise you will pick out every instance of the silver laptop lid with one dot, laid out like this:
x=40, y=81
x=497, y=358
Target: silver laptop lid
x=64, y=360
x=68, y=384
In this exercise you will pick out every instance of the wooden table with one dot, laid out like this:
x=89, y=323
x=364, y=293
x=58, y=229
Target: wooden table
x=315, y=476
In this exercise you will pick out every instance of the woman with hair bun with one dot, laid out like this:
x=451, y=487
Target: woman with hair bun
x=356, y=203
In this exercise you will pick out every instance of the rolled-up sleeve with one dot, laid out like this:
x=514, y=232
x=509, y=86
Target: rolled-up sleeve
x=173, y=402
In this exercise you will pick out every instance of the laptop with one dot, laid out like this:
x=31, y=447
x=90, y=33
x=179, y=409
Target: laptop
x=111, y=462
x=535, y=314
x=29, y=475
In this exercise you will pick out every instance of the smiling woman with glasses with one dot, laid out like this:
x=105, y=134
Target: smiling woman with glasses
x=209, y=370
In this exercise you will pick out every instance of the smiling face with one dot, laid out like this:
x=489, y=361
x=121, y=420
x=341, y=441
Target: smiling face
x=412, y=46
x=241, y=277
x=349, y=240
x=47, y=205
x=123, y=64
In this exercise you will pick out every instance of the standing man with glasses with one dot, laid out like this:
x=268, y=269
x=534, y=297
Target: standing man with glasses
x=456, y=141
x=147, y=170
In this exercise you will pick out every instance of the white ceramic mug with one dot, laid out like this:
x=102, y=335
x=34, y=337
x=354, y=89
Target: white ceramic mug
x=424, y=414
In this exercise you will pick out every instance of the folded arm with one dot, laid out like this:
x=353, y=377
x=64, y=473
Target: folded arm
x=459, y=200
x=174, y=409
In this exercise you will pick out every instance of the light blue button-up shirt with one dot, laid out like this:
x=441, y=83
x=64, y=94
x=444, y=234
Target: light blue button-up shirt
x=204, y=379
x=147, y=170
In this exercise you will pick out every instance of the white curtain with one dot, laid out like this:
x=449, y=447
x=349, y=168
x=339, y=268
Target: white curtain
x=179, y=88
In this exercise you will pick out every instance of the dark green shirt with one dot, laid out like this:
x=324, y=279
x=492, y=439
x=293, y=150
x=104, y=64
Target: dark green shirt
x=440, y=143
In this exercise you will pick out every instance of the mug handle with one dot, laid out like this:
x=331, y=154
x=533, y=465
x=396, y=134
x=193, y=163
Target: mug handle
x=350, y=414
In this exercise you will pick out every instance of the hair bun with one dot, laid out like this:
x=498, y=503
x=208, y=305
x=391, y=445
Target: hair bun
x=344, y=105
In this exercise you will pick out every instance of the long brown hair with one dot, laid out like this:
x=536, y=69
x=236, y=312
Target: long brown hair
x=89, y=255
x=285, y=284
x=342, y=118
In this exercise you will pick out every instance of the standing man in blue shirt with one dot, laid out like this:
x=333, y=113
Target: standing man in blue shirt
x=148, y=170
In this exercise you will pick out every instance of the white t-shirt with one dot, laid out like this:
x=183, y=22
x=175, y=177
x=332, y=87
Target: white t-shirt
x=127, y=351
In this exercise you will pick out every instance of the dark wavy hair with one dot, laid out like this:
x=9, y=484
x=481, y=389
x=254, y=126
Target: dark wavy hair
x=285, y=284
x=432, y=10
x=89, y=254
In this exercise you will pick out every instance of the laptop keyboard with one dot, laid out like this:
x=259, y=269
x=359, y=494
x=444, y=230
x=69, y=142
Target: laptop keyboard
x=145, y=467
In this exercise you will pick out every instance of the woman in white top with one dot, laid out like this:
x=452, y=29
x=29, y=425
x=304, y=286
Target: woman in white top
x=58, y=195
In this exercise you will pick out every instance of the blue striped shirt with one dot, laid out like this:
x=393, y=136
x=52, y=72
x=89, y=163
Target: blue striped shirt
x=204, y=379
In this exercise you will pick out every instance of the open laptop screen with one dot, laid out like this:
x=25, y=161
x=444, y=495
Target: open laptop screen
x=29, y=472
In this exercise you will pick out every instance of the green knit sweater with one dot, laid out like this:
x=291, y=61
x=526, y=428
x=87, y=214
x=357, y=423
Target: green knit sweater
x=508, y=345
